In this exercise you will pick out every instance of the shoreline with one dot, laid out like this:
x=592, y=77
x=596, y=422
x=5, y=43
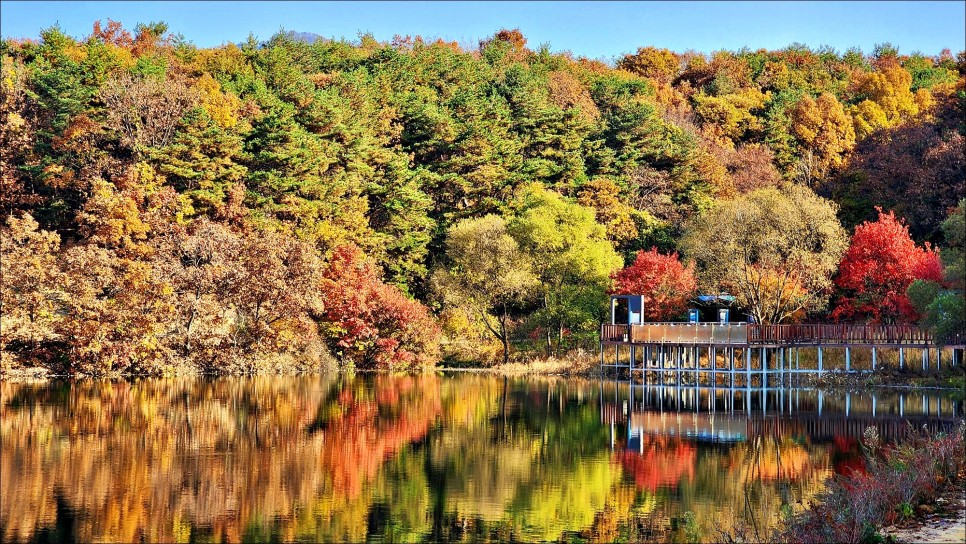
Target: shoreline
x=948, y=526
x=832, y=381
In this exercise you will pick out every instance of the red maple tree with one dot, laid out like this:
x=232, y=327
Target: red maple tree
x=665, y=283
x=881, y=262
x=374, y=324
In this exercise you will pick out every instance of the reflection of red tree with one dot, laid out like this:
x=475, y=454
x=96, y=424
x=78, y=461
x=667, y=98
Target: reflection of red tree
x=846, y=457
x=370, y=430
x=663, y=462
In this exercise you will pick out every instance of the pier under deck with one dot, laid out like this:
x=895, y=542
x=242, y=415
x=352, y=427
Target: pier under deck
x=716, y=352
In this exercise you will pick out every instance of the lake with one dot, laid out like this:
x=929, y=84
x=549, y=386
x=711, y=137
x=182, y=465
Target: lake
x=440, y=457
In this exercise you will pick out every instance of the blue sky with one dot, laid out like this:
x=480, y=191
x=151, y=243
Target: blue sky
x=593, y=29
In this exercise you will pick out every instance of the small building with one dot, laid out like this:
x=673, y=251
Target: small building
x=626, y=309
x=718, y=308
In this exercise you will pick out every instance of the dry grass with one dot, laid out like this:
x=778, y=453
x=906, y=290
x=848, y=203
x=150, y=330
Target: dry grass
x=578, y=363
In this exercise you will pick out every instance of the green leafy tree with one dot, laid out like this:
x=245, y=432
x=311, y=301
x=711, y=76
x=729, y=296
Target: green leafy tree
x=942, y=306
x=202, y=162
x=571, y=256
x=488, y=273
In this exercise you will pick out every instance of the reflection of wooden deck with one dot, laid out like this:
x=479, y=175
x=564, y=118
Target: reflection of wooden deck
x=736, y=414
x=746, y=335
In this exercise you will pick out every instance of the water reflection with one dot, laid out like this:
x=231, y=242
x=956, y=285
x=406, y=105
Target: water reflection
x=414, y=458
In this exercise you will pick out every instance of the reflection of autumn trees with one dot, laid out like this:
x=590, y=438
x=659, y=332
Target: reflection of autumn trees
x=369, y=426
x=723, y=485
x=167, y=459
x=351, y=458
x=749, y=483
x=663, y=462
x=534, y=469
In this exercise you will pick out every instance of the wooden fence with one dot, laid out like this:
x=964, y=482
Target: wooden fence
x=741, y=334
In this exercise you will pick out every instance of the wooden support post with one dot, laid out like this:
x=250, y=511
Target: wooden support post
x=768, y=357
x=696, y=350
x=781, y=366
x=731, y=367
x=747, y=367
x=714, y=364
x=630, y=364
x=602, y=358
x=663, y=357
x=647, y=363
x=677, y=365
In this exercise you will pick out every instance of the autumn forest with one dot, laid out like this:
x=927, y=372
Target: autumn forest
x=281, y=204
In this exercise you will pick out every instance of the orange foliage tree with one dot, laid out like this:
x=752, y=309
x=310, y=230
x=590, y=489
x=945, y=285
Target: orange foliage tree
x=371, y=323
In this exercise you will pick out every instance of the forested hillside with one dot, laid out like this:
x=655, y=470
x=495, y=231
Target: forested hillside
x=280, y=203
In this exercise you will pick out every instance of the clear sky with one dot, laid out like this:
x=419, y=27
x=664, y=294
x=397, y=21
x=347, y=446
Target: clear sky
x=593, y=29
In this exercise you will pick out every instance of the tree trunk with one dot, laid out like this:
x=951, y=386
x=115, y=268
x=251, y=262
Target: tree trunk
x=503, y=336
x=546, y=304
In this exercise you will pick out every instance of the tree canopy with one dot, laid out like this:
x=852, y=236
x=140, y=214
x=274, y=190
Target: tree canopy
x=177, y=205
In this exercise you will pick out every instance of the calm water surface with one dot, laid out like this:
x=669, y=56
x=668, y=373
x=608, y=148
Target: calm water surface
x=416, y=458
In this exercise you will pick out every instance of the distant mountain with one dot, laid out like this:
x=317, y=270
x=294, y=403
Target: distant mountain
x=307, y=37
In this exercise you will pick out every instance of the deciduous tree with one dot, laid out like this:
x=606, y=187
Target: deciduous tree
x=665, y=283
x=373, y=324
x=823, y=127
x=487, y=272
x=30, y=297
x=775, y=250
x=571, y=257
x=881, y=262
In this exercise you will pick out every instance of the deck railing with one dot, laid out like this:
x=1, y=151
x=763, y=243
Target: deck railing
x=745, y=334
x=839, y=334
x=676, y=333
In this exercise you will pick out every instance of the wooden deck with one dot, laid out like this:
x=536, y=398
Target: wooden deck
x=741, y=335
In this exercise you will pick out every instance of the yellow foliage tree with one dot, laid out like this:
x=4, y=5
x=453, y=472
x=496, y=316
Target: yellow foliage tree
x=658, y=64
x=867, y=116
x=823, y=127
x=222, y=107
x=730, y=117
x=112, y=219
x=889, y=91
x=603, y=195
x=28, y=294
